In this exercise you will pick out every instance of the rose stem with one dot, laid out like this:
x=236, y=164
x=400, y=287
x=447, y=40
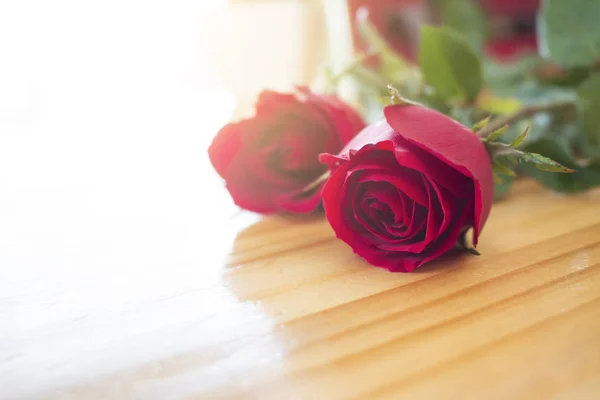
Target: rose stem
x=523, y=113
x=321, y=179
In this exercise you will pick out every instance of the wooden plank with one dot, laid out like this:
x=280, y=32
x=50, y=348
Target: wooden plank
x=290, y=312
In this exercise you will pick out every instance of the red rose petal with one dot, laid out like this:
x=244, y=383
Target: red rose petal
x=435, y=216
x=399, y=263
x=448, y=205
x=331, y=161
x=269, y=102
x=370, y=226
x=378, y=194
x=336, y=202
x=448, y=241
x=343, y=119
x=377, y=135
x=248, y=191
x=224, y=147
x=300, y=202
x=416, y=217
x=407, y=263
x=436, y=170
x=405, y=180
x=452, y=143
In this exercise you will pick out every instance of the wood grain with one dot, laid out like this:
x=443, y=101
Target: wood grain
x=287, y=311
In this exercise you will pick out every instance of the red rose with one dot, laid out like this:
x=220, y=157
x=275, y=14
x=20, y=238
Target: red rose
x=402, y=191
x=513, y=28
x=510, y=8
x=269, y=159
x=508, y=50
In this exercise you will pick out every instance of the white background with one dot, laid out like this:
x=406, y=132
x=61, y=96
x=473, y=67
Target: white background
x=108, y=204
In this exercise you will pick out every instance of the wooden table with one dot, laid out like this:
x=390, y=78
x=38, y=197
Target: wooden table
x=277, y=308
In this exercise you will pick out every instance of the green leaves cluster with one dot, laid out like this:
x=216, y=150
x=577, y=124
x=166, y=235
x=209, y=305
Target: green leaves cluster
x=568, y=32
x=449, y=64
x=587, y=173
x=506, y=157
x=467, y=18
x=588, y=94
x=567, y=71
x=561, y=84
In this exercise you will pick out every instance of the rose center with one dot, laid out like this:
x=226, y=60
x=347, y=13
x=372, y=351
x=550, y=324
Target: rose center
x=387, y=213
x=379, y=211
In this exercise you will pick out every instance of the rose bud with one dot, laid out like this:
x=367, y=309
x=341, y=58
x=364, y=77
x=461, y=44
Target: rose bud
x=268, y=160
x=405, y=188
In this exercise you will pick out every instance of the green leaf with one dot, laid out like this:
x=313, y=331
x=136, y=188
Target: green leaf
x=534, y=93
x=584, y=178
x=519, y=139
x=481, y=123
x=496, y=134
x=466, y=17
x=509, y=153
x=502, y=169
x=537, y=126
x=543, y=163
x=570, y=77
x=568, y=32
x=498, y=105
x=588, y=107
x=502, y=75
x=449, y=64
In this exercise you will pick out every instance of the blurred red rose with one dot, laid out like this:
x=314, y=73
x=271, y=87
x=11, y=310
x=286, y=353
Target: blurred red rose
x=268, y=160
x=404, y=189
x=510, y=8
x=513, y=23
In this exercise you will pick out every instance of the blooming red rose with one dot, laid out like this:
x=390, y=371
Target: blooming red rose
x=269, y=159
x=404, y=189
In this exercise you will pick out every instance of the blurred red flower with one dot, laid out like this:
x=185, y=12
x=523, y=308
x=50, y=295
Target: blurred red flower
x=513, y=27
x=268, y=160
x=512, y=21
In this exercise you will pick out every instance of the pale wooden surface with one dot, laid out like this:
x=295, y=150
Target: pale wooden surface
x=127, y=273
x=284, y=310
